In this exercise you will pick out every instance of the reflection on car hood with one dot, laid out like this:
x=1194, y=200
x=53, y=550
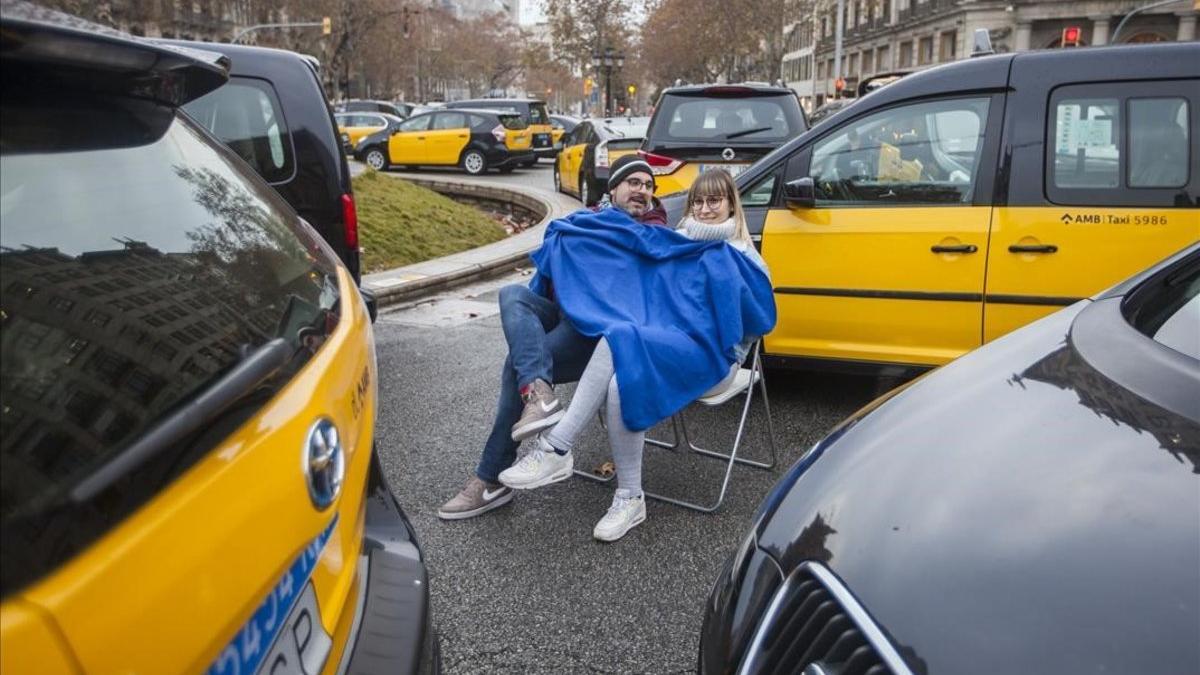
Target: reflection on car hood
x=1017, y=511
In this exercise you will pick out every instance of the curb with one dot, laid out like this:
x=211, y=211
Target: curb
x=395, y=286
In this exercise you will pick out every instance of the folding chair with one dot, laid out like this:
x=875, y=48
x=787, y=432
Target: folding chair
x=743, y=383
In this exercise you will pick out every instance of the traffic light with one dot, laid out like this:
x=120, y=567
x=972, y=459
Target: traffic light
x=326, y=26
x=632, y=89
x=1070, y=36
x=587, y=86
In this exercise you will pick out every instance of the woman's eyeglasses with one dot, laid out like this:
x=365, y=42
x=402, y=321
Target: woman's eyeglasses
x=711, y=202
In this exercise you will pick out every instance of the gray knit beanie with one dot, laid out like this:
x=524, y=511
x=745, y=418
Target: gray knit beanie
x=624, y=166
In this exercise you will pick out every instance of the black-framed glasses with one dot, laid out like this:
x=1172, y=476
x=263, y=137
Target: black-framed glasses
x=712, y=202
x=639, y=184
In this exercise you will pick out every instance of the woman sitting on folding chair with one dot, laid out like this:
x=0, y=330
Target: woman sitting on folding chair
x=714, y=214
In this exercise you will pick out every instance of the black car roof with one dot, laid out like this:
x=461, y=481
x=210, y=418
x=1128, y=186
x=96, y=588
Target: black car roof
x=473, y=101
x=263, y=57
x=127, y=64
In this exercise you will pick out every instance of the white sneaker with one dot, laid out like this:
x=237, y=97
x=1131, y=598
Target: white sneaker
x=540, y=466
x=624, y=514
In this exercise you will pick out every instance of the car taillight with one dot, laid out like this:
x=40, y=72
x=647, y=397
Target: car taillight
x=602, y=155
x=498, y=133
x=350, y=221
x=660, y=165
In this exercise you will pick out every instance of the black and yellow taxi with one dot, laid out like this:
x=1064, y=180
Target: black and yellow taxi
x=188, y=480
x=581, y=167
x=475, y=140
x=532, y=110
x=696, y=128
x=962, y=202
x=354, y=126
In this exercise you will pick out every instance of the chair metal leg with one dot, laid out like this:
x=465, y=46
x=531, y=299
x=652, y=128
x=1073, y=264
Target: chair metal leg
x=681, y=439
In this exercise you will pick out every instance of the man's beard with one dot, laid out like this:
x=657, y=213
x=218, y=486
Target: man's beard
x=634, y=207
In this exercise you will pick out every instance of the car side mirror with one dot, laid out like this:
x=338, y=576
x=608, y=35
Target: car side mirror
x=371, y=302
x=800, y=193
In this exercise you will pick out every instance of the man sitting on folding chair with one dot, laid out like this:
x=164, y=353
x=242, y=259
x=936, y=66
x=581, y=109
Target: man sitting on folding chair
x=657, y=351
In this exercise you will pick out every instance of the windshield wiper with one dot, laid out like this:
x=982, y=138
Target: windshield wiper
x=241, y=380
x=747, y=132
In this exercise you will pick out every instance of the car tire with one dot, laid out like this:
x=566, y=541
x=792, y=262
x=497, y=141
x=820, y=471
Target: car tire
x=557, y=179
x=585, y=190
x=473, y=162
x=376, y=158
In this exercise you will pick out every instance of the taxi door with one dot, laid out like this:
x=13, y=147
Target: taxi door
x=1110, y=192
x=884, y=260
x=572, y=154
x=447, y=137
x=408, y=145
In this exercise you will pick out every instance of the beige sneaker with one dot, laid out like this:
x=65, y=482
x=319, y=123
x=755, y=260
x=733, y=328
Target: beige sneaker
x=542, y=411
x=476, y=498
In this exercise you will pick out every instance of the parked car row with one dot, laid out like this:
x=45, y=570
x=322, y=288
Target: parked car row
x=182, y=323
x=589, y=149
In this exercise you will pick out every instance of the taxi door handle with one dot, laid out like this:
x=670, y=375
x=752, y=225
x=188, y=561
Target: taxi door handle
x=420, y=138
x=462, y=135
x=1033, y=248
x=954, y=248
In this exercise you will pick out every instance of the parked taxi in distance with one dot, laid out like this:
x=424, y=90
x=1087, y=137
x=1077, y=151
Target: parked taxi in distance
x=476, y=140
x=353, y=126
x=581, y=167
x=532, y=110
x=189, y=480
x=561, y=125
x=729, y=126
x=962, y=202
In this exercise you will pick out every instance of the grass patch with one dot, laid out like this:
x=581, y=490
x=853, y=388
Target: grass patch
x=400, y=223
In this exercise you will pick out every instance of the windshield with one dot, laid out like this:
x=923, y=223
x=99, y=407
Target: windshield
x=753, y=119
x=138, y=267
x=627, y=128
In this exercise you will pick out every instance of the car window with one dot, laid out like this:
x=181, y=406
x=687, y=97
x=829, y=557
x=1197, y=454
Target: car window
x=513, y=121
x=1120, y=145
x=537, y=114
x=927, y=153
x=1171, y=316
x=375, y=121
x=245, y=114
x=119, y=312
x=478, y=121
x=1087, y=143
x=419, y=123
x=760, y=193
x=1158, y=142
x=450, y=120
x=758, y=118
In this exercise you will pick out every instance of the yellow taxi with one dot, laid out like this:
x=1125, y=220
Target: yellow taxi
x=475, y=140
x=962, y=202
x=531, y=110
x=561, y=125
x=189, y=381
x=353, y=126
x=696, y=128
x=581, y=167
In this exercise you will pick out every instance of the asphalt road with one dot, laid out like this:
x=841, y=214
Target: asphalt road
x=525, y=588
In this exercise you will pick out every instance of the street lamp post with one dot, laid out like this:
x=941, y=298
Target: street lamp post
x=607, y=61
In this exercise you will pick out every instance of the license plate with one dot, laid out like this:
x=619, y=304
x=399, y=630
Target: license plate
x=733, y=169
x=303, y=645
x=271, y=642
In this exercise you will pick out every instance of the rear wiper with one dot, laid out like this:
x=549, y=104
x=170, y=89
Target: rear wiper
x=241, y=380
x=747, y=132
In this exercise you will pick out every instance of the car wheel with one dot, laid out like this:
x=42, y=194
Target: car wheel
x=474, y=163
x=557, y=179
x=376, y=159
x=585, y=190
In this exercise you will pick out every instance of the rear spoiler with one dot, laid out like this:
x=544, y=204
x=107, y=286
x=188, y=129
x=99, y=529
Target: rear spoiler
x=98, y=58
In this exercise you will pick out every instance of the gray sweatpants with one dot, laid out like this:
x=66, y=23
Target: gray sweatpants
x=598, y=384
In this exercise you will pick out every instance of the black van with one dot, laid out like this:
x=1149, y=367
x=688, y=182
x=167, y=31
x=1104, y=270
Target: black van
x=274, y=114
x=534, y=112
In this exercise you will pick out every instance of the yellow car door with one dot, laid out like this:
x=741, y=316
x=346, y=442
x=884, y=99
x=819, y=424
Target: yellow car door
x=409, y=144
x=569, y=159
x=881, y=258
x=447, y=137
x=1100, y=203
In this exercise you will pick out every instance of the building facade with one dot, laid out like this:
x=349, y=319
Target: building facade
x=901, y=36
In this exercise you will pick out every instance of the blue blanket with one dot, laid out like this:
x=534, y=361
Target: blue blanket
x=672, y=309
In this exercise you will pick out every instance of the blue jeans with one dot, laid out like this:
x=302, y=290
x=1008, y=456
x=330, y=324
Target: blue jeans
x=542, y=343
